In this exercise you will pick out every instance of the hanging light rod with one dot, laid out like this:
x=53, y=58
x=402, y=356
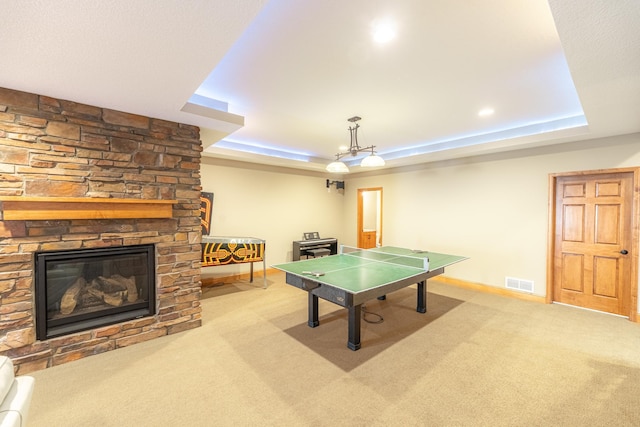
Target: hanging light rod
x=371, y=160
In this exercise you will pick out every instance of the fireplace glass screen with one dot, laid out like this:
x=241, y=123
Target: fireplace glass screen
x=83, y=289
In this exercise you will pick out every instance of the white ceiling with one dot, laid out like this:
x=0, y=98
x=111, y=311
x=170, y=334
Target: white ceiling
x=285, y=75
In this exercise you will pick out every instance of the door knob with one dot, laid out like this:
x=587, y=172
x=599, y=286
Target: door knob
x=624, y=252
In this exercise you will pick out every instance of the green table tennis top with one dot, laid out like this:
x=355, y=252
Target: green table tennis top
x=366, y=269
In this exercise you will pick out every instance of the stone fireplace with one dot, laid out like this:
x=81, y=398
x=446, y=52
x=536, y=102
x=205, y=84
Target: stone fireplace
x=76, y=177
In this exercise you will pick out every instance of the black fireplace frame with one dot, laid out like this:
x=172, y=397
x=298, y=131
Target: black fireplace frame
x=46, y=328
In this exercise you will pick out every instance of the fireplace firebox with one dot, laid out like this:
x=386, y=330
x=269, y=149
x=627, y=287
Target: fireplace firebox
x=83, y=289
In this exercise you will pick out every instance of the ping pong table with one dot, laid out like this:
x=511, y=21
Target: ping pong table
x=354, y=276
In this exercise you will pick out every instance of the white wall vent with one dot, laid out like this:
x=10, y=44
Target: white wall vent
x=519, y=284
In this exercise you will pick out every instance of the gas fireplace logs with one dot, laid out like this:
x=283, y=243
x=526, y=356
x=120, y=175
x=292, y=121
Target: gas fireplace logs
x=113, y=290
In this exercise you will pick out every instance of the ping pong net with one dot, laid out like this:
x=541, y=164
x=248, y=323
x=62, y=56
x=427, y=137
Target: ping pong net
x=390, y=255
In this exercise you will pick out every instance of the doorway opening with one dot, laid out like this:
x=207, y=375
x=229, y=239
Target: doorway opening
x=369, y=217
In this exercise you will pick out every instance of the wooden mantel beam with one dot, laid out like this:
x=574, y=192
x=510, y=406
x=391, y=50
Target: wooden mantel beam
x=19, y=208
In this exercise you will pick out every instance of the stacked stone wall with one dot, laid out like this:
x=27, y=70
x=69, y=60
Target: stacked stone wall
x=58, y=148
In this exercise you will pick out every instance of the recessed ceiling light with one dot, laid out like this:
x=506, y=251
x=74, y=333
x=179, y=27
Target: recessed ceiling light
x=486, y=112
x=383, y=31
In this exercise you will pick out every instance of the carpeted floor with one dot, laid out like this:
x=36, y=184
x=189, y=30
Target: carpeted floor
x=474, y=359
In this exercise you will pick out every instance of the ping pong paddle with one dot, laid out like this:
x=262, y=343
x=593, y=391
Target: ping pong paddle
x=314, y=273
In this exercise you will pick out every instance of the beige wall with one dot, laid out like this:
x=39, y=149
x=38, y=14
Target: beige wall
x=492, y=209
x=275, y=204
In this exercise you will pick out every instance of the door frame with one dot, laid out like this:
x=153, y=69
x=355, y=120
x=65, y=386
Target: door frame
x=360, y=213
x=634, y=227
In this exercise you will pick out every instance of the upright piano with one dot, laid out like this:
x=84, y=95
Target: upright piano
x=313, y=241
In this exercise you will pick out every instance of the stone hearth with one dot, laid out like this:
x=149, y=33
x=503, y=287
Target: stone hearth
x=52, y=148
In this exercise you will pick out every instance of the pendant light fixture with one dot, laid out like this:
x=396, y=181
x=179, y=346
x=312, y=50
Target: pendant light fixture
x=372, y=160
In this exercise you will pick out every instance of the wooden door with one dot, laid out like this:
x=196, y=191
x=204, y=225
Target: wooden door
x=593, y=246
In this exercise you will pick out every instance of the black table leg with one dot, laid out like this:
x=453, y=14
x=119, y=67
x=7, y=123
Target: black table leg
x=422, y=297
x=313, y=311
x=355, y=314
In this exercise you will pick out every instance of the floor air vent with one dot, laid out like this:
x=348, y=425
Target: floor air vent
x=519, y=284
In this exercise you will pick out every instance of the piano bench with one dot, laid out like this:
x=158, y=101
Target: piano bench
x=318, y=252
